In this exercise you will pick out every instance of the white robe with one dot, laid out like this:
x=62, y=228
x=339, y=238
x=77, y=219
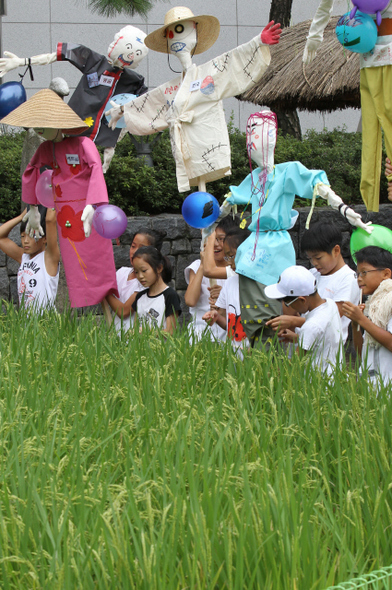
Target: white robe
x=193, y=111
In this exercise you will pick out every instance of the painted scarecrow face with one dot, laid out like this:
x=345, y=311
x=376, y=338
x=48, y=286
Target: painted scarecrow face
x=128, y=49
x=261, y=133
x=181, y=37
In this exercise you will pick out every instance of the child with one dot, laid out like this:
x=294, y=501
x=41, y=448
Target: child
x=39, y=259
x=157, y=305
x=201, y=291
x=321, y=331
x=335, y=279
x=374, y=271
x=228, y=312
x=127, y=283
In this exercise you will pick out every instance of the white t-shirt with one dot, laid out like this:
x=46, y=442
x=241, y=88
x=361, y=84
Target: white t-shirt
x=378, y=361
x=340, y=286
x=321, y=334
x=198, y=327
x=36, y=288
x=229, y=299
x=125, y=290
x=154, y=310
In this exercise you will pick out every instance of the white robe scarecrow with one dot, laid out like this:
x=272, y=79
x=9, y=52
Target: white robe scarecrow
x=190, y=105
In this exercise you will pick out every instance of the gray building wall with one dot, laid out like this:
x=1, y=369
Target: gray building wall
x=34, y=27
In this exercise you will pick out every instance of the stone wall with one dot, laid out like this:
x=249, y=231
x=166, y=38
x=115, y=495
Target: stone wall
x=182, y=244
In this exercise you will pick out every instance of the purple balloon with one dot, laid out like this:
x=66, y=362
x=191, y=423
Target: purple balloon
x=44, y=189
x=109, y=221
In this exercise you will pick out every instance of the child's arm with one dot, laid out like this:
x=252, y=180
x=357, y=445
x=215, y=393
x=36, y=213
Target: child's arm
x=8, y=246
x=285, y=322
x=355, y=314
x=171, y=323
x=210, y=269
x=217, y=316
x=193, y=292
x=52, y=252
x=122, y=310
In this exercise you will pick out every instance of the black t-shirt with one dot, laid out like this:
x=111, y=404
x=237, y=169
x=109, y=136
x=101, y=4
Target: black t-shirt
x=154, y=310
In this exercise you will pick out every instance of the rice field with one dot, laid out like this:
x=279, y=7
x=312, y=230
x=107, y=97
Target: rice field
x=153, y=464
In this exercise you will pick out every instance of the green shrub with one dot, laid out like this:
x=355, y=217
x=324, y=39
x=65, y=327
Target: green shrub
x=141, y=190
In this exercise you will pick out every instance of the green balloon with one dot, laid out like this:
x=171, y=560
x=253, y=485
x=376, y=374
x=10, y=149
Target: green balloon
x=381, y=237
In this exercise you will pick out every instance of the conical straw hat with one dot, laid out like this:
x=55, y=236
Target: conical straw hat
x=46, y=110
x=207, y=30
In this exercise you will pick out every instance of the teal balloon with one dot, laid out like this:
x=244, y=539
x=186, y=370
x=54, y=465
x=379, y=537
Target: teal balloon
x=357, y=34
x=381, y=237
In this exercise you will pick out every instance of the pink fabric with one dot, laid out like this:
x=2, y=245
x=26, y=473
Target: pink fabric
x=88, y=262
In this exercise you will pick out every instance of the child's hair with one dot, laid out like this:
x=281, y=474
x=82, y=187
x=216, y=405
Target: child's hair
x=377, y=257
x=42, y=210
x=227, y=223
x=321, y=237
x=155, y=259
x=154, y=237
x=235, y=237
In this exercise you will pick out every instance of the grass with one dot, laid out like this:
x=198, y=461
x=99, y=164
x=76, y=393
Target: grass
x=151, y=464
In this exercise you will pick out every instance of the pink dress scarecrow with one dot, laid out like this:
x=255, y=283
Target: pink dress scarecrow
x=78, y=183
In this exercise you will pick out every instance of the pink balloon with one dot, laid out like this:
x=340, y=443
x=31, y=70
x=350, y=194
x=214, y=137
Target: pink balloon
x=109, y=221
x=44, y=189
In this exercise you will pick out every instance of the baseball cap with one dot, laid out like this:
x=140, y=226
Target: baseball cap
x=295, y=281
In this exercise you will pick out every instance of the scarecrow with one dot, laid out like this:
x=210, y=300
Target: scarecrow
x=376, y=104
x=270, y=191
x=77, y=184
x=190, y=104
x=103, y=78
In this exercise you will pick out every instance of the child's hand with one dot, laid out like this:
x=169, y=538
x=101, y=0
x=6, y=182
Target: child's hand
x=214, y=293
x=353, y=312
x=210, y=317
x=281, y=322
x=287, y=336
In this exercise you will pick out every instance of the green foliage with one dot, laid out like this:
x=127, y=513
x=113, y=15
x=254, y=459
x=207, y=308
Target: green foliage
x=10, y=185
x=140, y=190
x=152, y=464
x=111, y=8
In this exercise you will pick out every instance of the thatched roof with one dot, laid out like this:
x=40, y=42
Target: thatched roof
x=330, y=82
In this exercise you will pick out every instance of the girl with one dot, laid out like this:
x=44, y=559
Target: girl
x=158, y=305
x=39, y=259
x=202, y=292
x=127, y=283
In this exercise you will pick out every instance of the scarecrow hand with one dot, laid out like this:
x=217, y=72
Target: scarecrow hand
x=270, y=35
x=115, y=113
x=310, y=50
x=10, y=62
x=336, y=202
x=33, y=226
x=87, y=218
x=108, y=154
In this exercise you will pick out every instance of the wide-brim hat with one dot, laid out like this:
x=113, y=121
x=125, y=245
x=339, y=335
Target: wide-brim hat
x=295, y=281
x=47, y=110
x=208, y=28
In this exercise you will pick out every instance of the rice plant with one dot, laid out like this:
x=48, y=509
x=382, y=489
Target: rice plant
x=148, y=463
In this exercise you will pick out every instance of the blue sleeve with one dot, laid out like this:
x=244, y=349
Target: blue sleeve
x=301, y=181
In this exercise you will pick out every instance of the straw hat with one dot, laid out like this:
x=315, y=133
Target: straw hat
x=47, y=110
x=207, y=30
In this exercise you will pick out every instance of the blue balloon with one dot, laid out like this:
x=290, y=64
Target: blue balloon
x=119, y=100
x=12, y=95
x=200, y=210
x=357, y=34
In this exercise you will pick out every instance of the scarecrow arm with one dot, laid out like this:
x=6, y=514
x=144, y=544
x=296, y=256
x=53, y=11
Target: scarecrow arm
x=316, y=31
x=325, y=192
x=87, y=219
x=33, y=218
x=12, y=61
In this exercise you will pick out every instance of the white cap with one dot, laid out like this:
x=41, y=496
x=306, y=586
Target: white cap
x=295, y=281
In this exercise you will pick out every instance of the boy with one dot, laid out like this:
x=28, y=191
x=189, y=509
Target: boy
x=228, y=312
x=38, y=274
x=321, y=331
x=335, y=279
x=374, y=271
